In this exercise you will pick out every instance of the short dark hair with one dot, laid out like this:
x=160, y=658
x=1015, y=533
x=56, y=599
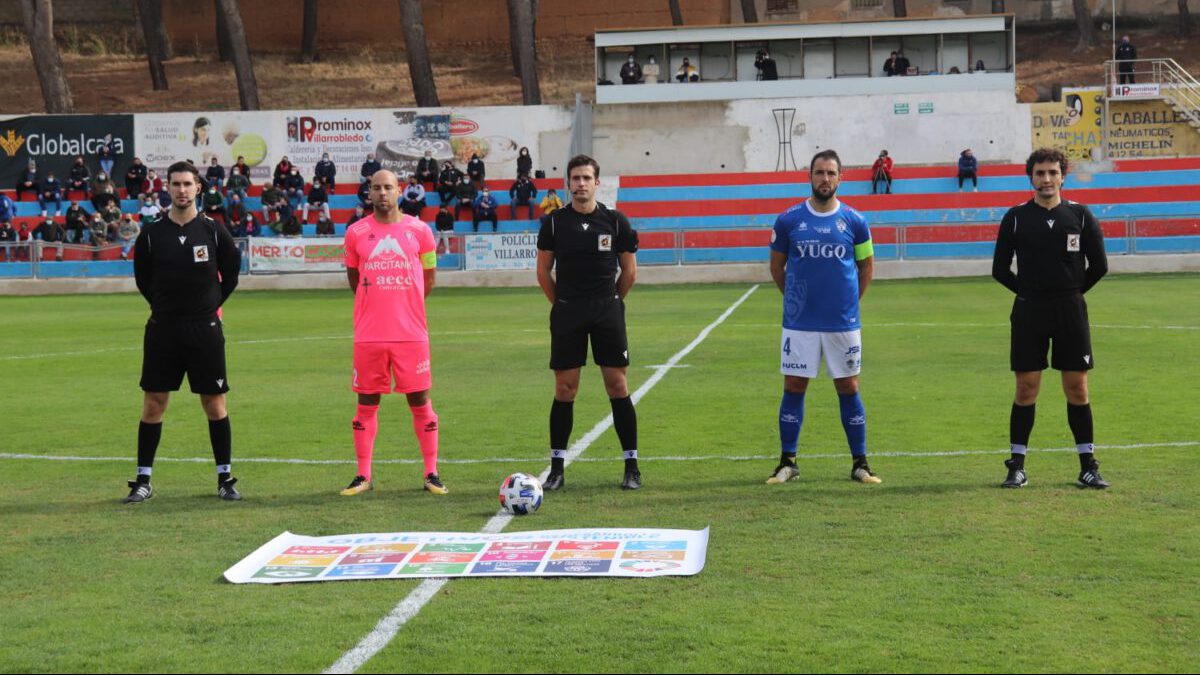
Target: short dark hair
x=187, y=167
x=583, y=160
x=825, y=154
x=1047, y=155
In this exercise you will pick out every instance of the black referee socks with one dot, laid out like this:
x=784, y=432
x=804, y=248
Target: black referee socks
x=147, y=447
x=221, y=437
x=625, y=423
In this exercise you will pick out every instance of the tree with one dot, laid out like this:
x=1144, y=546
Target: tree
x=150, y=16
x=900, y=9
x=224, y=45
x=47, y=60
x=513, y=39
x=521, y=13
x=419, y=68
x=676, y=14
x=308, y=34
x=749, y=11
x=1087, y=31
x=243, y=67
x=1185, y=20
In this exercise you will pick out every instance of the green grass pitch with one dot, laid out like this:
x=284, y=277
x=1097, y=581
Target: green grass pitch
x=936, y=570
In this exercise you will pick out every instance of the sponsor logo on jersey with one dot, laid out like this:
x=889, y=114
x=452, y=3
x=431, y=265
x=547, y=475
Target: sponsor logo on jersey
x=824, y=230
x=1050, y=223
x=200, y=254
x=802, y=227
x=795, y=366
x=387, y=248
x=1073, y=242
x=853, y=350
x=605, y=242
x=819, y=250
x=182, y=240
x=423, y=367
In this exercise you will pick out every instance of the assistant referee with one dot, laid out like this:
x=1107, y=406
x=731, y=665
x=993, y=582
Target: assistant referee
x=186, y=266
x=581, y=247
x=1059, y=248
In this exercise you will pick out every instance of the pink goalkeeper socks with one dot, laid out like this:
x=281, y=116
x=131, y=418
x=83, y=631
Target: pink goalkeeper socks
x=425, y=426
x=366, y=425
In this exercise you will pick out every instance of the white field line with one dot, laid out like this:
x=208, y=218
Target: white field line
x=509, y=461
x=411, y=605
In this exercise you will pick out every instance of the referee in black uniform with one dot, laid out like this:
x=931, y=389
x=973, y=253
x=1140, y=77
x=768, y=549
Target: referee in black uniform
x=584, y=244
x=186, y=266
x=1059, y=248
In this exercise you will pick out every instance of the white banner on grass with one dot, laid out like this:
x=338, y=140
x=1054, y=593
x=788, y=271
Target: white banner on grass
x=280, y=254
x=616, y=552
x=516, y=251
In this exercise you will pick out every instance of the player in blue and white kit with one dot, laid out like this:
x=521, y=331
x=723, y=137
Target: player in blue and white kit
x=822, y=261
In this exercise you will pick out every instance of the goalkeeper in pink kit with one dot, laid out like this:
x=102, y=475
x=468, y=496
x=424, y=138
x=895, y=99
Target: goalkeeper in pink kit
x=391, y=266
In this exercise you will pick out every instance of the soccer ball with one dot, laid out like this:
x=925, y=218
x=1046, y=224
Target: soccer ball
x=520, y=494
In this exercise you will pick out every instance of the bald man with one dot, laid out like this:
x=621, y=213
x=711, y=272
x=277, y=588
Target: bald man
x=391, y=267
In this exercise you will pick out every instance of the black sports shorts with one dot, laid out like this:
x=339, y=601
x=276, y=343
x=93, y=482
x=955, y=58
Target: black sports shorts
x=1061, y=321
x=174, y=347
x=572, y=322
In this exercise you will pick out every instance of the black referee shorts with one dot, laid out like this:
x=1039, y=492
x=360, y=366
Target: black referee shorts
x=172, y=348
x=572, y=322
x=1038, y=323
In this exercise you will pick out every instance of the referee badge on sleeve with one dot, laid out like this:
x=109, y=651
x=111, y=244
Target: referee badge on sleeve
x=605, y=241
x=200, y=254
x=1073, y=242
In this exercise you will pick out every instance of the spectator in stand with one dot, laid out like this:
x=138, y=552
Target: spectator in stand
x=979, y=67
x=214, y=203
x=464, y=195
x=150, y=209
x=631, y=71
x=427, y=169
x=1126, y=54
x=650, y=71
x=359, y=214
x=293, y=188
x=277, y=219
x=522, y=193
x=111, y=215
x=135, y=179
x=881, y=172
x=239, y=184
x=127, y=234
x=891, y=66
x=524, y=163
x=153, y=186
x=101, y=184
x=291, y=226
x=8, y=239
x=242, y=167
x=246, y=227
x=484, y=209
x=444, y=223
x=97, y=231
x=968, y=167
x=369, y=168
x=271, y=197
x=447, y=183
x=282, y=170
x=78, y=179
x=318, y=199
x=8, y=208
x=766, y=66
x=364, y=194
x=28, y=180
x=476, y=171
x=413, y=199
x=235, y=210
x=76, y=222
x=687, y=72
x=903, y=67
x=105, y=154
x=326, y=170
x=215, y=175
x=104, y=198
x=50, y=191
x=551, y=202
x=324, y=226
x=51, y=233
x=23, y=238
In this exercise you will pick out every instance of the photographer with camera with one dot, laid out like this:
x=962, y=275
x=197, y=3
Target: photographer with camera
x=881, y=171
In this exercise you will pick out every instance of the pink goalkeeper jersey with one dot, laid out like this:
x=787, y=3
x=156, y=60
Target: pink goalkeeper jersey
x=389, y=305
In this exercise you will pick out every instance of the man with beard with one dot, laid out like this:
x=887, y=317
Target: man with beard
x=822, y=261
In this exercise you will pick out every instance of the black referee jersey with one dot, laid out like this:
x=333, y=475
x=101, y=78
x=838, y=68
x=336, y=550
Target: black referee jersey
x=1060, y=251
x=586, y=248
x=176, y=267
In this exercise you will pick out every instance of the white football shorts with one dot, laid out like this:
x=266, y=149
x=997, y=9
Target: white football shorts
x=800, y=353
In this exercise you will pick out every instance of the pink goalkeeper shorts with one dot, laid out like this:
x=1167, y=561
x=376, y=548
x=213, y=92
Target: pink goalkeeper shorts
x=376, y=364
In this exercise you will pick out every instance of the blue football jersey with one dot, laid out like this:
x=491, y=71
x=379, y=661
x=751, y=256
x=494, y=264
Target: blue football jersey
x=821, y=277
